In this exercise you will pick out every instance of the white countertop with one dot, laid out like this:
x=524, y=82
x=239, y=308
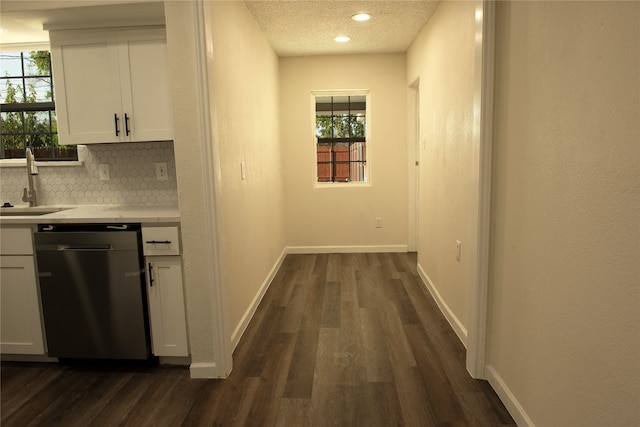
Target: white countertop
x=93, y=214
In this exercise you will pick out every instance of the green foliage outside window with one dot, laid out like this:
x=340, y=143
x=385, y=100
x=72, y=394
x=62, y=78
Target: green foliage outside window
x=342, y=126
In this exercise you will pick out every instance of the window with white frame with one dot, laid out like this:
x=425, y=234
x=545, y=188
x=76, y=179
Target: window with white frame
x=341, y=140
x=28, y=113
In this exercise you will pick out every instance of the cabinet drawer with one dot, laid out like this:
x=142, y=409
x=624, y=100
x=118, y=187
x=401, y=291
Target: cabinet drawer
x=16, y=241
x=160, y=241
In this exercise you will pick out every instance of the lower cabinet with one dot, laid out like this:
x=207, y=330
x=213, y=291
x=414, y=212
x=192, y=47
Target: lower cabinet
x=166, y=306
x=21, y=328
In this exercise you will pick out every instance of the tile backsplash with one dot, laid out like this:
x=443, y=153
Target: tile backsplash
x=132, y=169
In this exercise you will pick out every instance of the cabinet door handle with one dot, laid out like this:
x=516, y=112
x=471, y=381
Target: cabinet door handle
x=164, y=242
x=116, y=119
x=126, y=124
x=150, y=276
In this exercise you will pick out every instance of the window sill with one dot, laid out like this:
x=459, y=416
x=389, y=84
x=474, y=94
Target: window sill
x=341, y=184
x=22, y=163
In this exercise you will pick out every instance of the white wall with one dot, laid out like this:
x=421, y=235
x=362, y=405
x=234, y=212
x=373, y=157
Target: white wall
x=343, y=215
x=442, y=58
x=565, y=264
x=244, y=100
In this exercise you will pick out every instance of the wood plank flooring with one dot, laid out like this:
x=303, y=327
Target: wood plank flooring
x=339, y=339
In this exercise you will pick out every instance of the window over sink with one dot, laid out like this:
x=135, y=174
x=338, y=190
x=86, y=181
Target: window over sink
x=27, y=110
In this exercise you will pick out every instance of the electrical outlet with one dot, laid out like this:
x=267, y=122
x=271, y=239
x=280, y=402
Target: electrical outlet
x=458, y=249
x=378, y=222
x=161, y=172
x=103, y=168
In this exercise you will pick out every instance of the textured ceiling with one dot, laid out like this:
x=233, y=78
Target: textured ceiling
x=293, y=27
x=297, y=28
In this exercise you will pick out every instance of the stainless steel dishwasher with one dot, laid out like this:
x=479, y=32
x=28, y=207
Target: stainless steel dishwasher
x=92, y=291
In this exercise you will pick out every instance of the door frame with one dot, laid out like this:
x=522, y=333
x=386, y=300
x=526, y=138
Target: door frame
x=222, y=363
x=413, y=165
x=480, y=201
x=484, y=57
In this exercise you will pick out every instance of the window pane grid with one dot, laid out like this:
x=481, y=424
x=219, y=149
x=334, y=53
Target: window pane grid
x=341, y=141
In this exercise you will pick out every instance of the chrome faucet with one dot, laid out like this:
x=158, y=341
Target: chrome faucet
x=29, y=195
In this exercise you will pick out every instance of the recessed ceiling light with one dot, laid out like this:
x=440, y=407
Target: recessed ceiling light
x=342, y=39
x=360, y=17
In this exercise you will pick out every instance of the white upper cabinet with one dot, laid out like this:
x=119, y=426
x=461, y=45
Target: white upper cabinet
x=111, y=86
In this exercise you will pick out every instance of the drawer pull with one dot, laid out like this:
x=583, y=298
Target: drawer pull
x=163, y=242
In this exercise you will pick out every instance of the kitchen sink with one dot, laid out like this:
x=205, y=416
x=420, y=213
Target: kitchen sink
x=34, y=211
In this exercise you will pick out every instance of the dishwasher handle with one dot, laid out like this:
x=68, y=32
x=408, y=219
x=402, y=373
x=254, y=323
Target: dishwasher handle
x=118, y=227
x=75, y=247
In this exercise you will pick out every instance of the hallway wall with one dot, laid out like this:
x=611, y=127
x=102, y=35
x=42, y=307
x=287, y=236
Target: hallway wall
x=343, y=215
x=442, y=58
x=243, y=97
x=243, y=76
x=565, y=273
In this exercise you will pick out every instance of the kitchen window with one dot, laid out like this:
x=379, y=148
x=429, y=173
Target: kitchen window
x=27, y=110
x=341, y=137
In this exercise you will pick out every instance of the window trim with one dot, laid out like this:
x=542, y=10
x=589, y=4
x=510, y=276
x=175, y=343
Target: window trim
x=368, y=138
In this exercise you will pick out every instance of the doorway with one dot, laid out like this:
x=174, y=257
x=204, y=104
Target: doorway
x=473, y=333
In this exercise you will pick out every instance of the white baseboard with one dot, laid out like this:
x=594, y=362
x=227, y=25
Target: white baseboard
x=203, y=370
x=457, y=326
x=510, y=402
x=345, y=249
x=248, y=315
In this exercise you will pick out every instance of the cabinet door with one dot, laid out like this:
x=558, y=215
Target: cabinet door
x=166, y=306
x=145, y=86
x=87, y=89
x=21, y=328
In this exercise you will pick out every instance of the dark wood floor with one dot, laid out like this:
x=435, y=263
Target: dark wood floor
x=349, y=340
